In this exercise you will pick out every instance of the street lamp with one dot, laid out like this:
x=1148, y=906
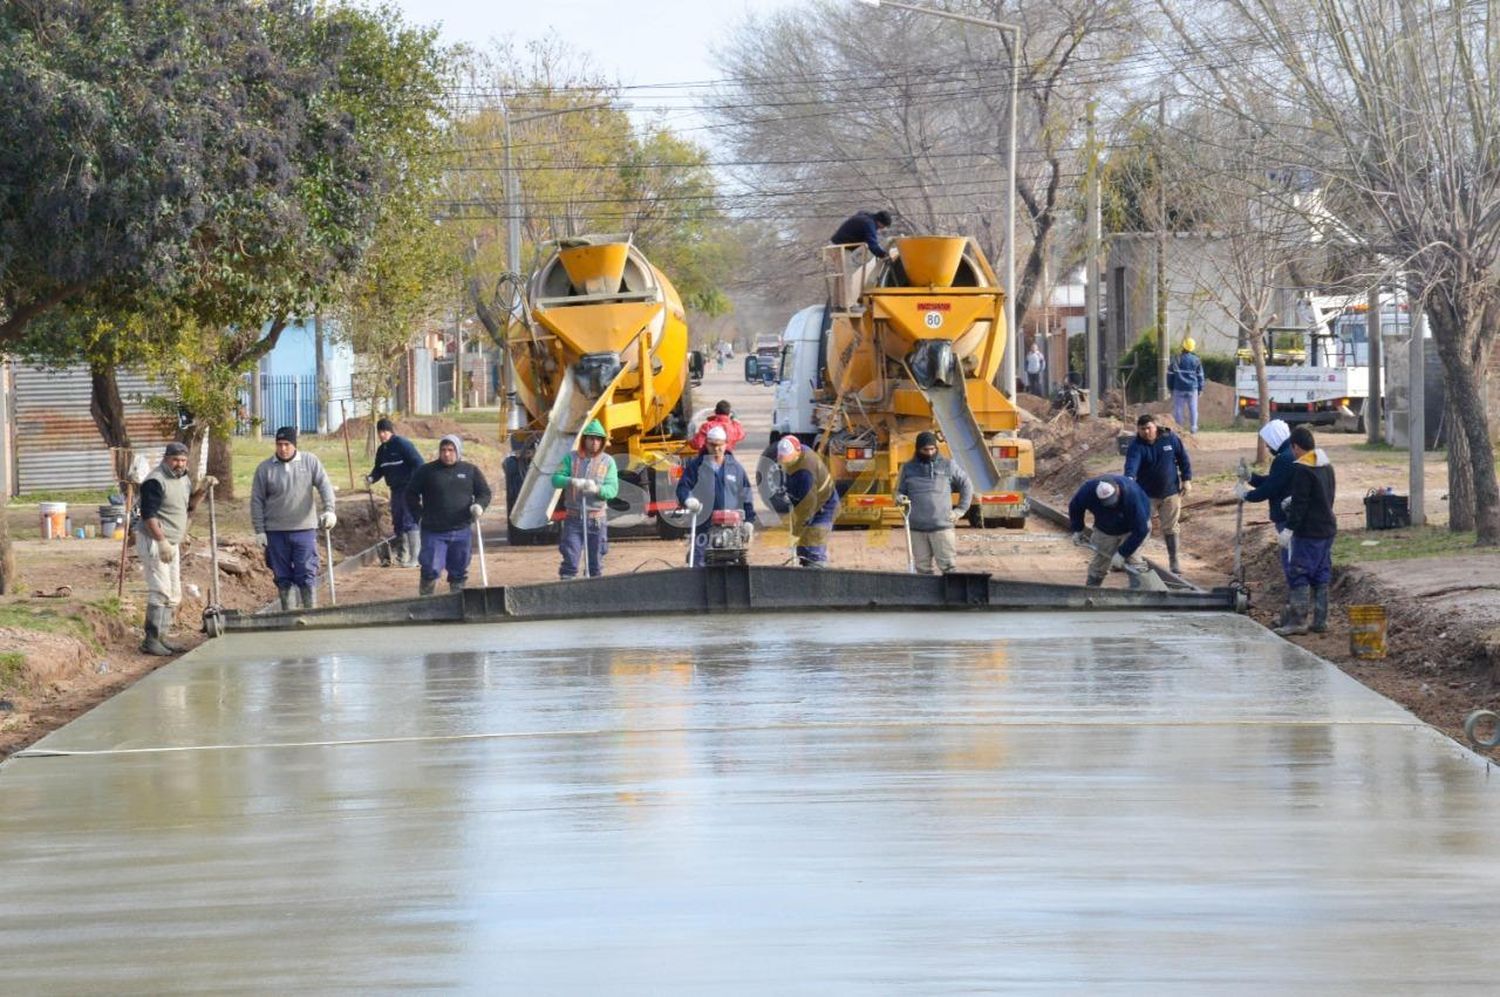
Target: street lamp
x=1008, y=364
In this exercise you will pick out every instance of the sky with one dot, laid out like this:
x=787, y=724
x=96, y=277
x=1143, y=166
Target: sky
x=635, y=41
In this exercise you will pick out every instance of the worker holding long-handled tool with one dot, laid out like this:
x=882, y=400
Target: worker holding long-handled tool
x=396, y=461
x=1122, y=522
x=166, y=502
x=283, y=513
x=930, y=480
x=588, y=479
x=447, y=496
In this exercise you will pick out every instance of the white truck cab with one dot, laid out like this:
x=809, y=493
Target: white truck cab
x=799, y=378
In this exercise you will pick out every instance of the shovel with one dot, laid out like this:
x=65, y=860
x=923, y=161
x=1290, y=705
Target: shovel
x=333, y=593
x=484, y=571
x=213, y=622
x=1239, y=529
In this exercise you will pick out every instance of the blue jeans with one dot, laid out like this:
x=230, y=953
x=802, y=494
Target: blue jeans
x=1185, y=409
x=446, y=549
x=571, y=546
x=292, y=556
x=1309, y=562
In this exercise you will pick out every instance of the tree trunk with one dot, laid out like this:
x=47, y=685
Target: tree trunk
x=1257, y=340
x=1460, y=472
x=7, y=560
x=108, y=411
x=221, y=463
x=1463, y=384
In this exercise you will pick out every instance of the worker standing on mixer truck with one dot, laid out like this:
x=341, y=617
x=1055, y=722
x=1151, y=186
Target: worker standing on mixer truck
x=713, y=482
x=1158, y=461
x=927, y=483
x=808, y=495
x=1122, y=522
x=863, y=226
x=588, y=479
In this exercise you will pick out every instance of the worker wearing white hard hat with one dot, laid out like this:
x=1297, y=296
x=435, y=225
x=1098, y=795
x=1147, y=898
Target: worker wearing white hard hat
x=808, y=496
x=714, y=481
x=1122, y=522
x=1186, y=378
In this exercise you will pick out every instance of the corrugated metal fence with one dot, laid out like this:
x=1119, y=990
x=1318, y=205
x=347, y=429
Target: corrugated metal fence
x=58, y=447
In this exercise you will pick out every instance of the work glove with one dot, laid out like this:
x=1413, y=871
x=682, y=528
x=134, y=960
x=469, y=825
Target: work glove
x=1284, y=539
x=955, y=517
x=166, y=551
x=692, y=504
x=903, y=502
x=328, y=520
x=589, y=487
x=1187, y=487
x=263, y=540
x=576, y=483
x=209, y=481
x=369, y=479
x=1286, y=504
x=1079, y=539
x=1243, y=471
x=1241, y=489
x=475, y=511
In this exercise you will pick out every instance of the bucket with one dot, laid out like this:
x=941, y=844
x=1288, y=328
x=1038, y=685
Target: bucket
x=1367, y=632
x=54, y=520
x=108, y=516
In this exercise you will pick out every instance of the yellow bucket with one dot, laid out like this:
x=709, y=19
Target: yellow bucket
x=1367, y=632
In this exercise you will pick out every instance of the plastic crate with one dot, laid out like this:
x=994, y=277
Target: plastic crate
x=1384, y=511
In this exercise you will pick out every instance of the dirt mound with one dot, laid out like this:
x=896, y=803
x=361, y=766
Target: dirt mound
x=361, y=526
x=427, y=427
x=1035, y=404
x=1065, y=444
x=34, y=663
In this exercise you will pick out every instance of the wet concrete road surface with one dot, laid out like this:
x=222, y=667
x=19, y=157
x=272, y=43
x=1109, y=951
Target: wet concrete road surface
x=815, y=805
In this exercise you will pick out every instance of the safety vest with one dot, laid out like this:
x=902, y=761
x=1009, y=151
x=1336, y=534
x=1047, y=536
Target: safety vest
x=587, y=467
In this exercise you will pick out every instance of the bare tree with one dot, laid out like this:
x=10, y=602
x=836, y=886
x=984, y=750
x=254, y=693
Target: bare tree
x=1400, y=112
x=833, y=108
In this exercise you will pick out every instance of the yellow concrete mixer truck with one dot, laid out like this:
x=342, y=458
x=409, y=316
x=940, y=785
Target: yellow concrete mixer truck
x=601, y=335
x=905, y=344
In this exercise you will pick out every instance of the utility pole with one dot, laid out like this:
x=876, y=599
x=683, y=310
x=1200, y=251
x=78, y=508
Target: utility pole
x=1163, y=340
x=1373, y=403
x=320, y=362
x=1091, y=262
x=1416, y=428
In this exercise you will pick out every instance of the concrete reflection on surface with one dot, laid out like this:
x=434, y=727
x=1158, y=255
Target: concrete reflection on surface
x=790, y=804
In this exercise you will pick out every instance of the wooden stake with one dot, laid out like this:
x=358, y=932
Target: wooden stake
x=124, y=546
x=347, y=455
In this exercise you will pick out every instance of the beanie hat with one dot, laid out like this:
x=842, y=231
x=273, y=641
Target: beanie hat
x=716, y=434
x=788, y=449
x=175, y=449
x=1275, y=433
x=458, y=445
x=288, y=433
x=926, y=439
x=385, y=426
x=1107, y=492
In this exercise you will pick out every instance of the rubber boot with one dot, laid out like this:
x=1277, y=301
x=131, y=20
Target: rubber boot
x=1093, y=582
x=427, y=586
x=1298, y=607
x=152, y=644
x=1172, y=561
x=1320, y=609
x=455, y=586
x=309, y=596
x=164, y=616
x=413, y=546
x=285, y=594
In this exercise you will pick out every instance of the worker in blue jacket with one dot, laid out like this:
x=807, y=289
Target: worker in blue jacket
x=1276, y=484
x=863, y=226
x=809, y=497
x=1122, y=522
x=1186, y=378
x=396, y=461
x=714, y=481
x=1158, y=461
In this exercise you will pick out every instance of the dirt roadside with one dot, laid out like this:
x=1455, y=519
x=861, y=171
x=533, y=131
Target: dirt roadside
x=1444, y=632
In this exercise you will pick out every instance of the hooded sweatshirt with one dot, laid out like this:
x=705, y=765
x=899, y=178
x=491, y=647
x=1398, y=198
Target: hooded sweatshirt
x=439, y=495
x=1310, y=515
x=930, y=485
x=1276, y=483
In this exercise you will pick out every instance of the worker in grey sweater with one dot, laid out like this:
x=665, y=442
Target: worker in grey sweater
x=284, y=515
x=925, y=490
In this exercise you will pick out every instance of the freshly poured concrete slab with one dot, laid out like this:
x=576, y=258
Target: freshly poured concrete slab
x=935, y=803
